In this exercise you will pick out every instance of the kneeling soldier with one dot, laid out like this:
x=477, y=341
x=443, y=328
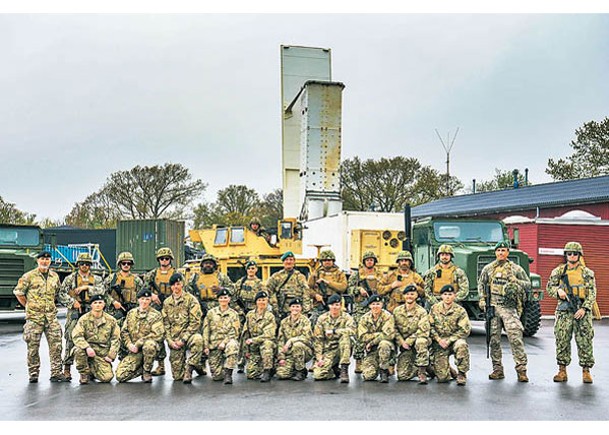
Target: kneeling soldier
x=376, y=331
x=259, y=339
x=96, y=338
x=295, y=344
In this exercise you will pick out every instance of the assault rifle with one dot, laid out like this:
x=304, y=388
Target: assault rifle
x=573, y=303
x=364, y=283
x=489, y=313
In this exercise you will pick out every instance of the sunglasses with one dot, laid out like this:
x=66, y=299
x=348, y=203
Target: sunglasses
x=165, y=258
x=126, y=263
x=571, y=253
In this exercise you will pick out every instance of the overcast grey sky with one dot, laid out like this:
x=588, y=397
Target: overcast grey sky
x=83, y=96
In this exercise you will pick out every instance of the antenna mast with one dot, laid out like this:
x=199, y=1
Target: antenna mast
x=447, y=148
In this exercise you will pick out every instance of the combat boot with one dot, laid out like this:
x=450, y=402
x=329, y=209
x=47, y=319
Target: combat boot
x=422, y=374
x=201, y=371
x=241, y=368
x=300, y=375
x=160, y=369
x=384, y=376
x=586, y=376
x=344, y=373
x=336, y=371
x=188, y=374
x=266, y=376
x=228, y=376
x=461, y=378
x=66, y=372
x=84, y=379
x=431, y=373
x=147, y=377
x=453, y=372
x=59, y=378
x=33, y=379
x=497, y=374
x=561, y=376
x=522, y=376
x=358, y=366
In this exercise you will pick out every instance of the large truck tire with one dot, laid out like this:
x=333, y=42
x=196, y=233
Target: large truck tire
x=531, y=318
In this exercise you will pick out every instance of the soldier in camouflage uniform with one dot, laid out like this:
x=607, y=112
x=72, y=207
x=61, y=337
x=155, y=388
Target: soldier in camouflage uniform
x=412, y=337
x=295, y=344
x=362, y=284
x=508, y=284
x=122, y=288
x=443, y=273
x=450, y=326
x=325, y=281
x=96, y=338
x=395, y=282
x=376, y=331
x=256, y=227
x=36, y=290
x=182, y=323
x=332, y=342
x=258, y=339
x=287, y=284
x=221, y=331
x=141, y=334
x=573, y=280
x=80, y=285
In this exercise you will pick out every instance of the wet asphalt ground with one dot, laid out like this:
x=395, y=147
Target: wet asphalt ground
x=164, y=400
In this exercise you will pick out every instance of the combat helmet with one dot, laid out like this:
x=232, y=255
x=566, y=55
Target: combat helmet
x=164, y=252
x=369, y=254
x=124, y=256
x=404, y=255
x=574, y=247
x=327, y=255
x=84, y=257
x=446, y=249
x=209, y=257
x=255, y=220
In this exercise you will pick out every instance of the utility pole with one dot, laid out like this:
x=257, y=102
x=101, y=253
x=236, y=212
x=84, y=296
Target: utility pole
x=447, y=148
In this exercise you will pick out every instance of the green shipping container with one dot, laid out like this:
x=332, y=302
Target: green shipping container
x=143, y=237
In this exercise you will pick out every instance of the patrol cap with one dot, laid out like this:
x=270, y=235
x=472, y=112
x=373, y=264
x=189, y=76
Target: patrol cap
x=144, y=293
x=410, y=288
x=375, y=298
x=295, y=301
x=447, y=288
x=260, y=295
x=333, y=299
x=223, y=292
x=286, y=255
x=175, y=278
x=250, y=264
x=502, y=244
x=44, y=253
x=96, y=298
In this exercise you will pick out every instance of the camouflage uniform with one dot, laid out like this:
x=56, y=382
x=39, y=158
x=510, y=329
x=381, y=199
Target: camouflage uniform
x=413, y=328
x=69, y=285
x=337, y=284
x=103, y=336
x=298, y=335
x=246, y=290
x=221, y=328
x=157, y=280
x=284, y=286
x=334, y=349
x=583, y=284
x=508, y=283
x=145, y=330
x=260, y=354
x=201, y=285
x=379, y=334
x=395, y=295
x=40, y=290
x=122, y=287
x=437, y=277
x=182, y=321
x=452, y=325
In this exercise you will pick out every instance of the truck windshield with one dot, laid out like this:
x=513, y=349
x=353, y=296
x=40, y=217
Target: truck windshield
x=491, y=232
x=26, y=237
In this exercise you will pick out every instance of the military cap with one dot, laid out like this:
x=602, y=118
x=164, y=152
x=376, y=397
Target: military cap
x=261, y=295
x=375, y=298
x=447, y=288
x=286, y=255
x=223, y=292
x=333, y=299
x=44, y=253
x=175, y=278
x=502, y=244
x=410, y=288
x=144, y=293
x=96, y=298
x=295, y=301
x=250, y=264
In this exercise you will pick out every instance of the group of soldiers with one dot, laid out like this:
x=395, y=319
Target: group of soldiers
x=391, y=323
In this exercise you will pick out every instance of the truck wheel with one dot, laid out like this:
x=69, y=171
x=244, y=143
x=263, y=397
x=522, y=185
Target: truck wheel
x=531, y=318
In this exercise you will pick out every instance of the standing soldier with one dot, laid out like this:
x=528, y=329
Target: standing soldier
x=221, y=331
x=325, y=281
x=450, y=326
x=294, y=343
x=122, y=287
x=395, y=282
x=96, y=338
x=287, y=284
x=81, y=285
x=141, y=334
x=443, y=273
x=258, y=339
x=332, y=345
x=412, y=337
x=157, y=280
x=376, y=332
x=508, y=284
x=36, y=290
x=573, y=284
x=206, y=284
x=362, y=284
x=182, y=323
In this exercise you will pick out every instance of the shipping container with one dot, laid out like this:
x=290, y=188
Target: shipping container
x=66, y=235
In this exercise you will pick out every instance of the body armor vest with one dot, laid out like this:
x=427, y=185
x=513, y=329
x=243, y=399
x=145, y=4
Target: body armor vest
x=161, y=279
x=127, y=285
x=444, y=277
x=576, y=281
x=84, y=295
x=204, y=284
